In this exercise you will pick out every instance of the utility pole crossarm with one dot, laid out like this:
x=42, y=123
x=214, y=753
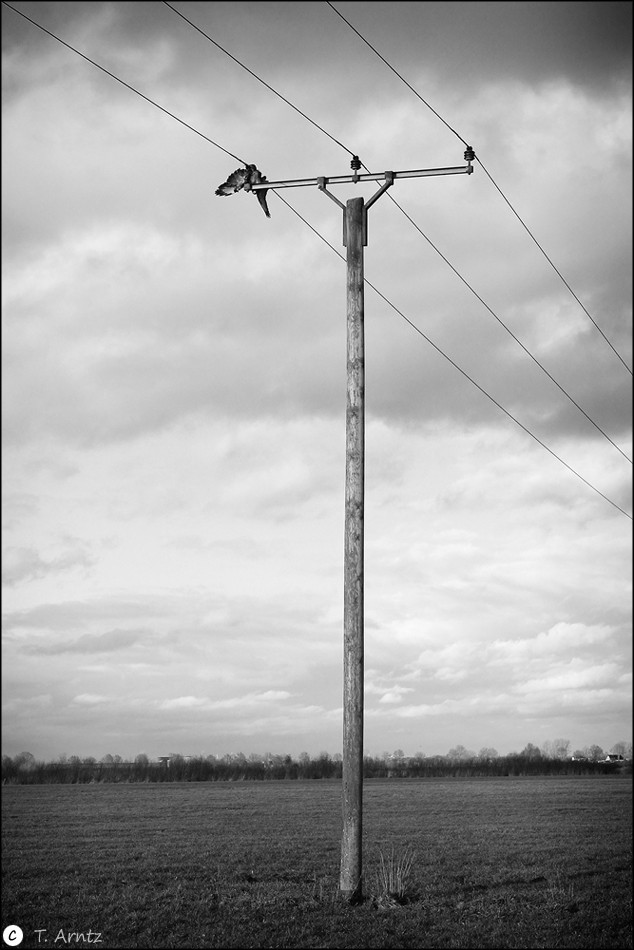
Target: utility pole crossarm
x=372, y=176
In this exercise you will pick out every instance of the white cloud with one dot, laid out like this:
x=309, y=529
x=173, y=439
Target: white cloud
x=573, y=675
x=90, y=699
x=561, y=638
x=395, y=694
x=23, y=564
x=234, y=702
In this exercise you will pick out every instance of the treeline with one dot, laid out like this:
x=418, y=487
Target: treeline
x=23, y=769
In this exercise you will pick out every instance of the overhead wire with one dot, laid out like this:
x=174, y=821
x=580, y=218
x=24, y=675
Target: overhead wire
x=510, y=332
x=126, y=84
x=552, y=264
x=402, y=210
x=459, y=368
x=396, y=73
x=488, y=174
x=375, y=289
x=255, y=76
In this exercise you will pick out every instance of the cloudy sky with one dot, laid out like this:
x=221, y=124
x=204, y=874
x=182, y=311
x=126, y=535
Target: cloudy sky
x=174, y=378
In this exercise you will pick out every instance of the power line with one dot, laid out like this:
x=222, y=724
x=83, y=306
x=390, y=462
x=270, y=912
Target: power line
x=525, y=226
x=465, y=282
x=495, y=402
x=459, y=368
x=126, y=84
x=396, y=72
x=556, y=269
x=378, y=292
x=260, y=80
x=510, y=332
x=255, y=76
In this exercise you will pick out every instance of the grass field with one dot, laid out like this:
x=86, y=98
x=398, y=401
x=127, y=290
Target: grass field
x=507, y=862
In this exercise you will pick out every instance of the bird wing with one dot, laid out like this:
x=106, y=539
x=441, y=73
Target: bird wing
x=234, y=182
x=255, y=177
x=261, y=196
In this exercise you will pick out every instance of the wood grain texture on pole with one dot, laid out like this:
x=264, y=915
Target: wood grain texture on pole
x=351, y=843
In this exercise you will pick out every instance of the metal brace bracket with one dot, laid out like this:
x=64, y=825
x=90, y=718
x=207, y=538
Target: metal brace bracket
x=321, y=184
x=389, y=181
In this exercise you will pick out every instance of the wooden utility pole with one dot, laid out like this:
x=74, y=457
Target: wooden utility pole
x=350, y=875
x=355, y=239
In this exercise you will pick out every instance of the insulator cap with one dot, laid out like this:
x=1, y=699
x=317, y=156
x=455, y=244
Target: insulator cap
x=469, y=154
x=355, y=164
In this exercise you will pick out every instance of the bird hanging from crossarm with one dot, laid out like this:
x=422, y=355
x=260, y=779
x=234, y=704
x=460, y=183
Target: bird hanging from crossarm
x=245, y=178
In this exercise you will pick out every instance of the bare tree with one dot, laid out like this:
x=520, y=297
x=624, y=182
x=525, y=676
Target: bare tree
x=461, y=753
x=532, y=752
x=556, y=748
x=594, y=753
x=622, y=748
x=562, y=747
x=487, y=754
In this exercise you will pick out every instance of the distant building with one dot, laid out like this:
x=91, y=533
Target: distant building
x=166, y=759
x=614, y=757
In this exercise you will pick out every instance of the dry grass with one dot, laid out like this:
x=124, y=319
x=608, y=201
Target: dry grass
x=393, y=877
